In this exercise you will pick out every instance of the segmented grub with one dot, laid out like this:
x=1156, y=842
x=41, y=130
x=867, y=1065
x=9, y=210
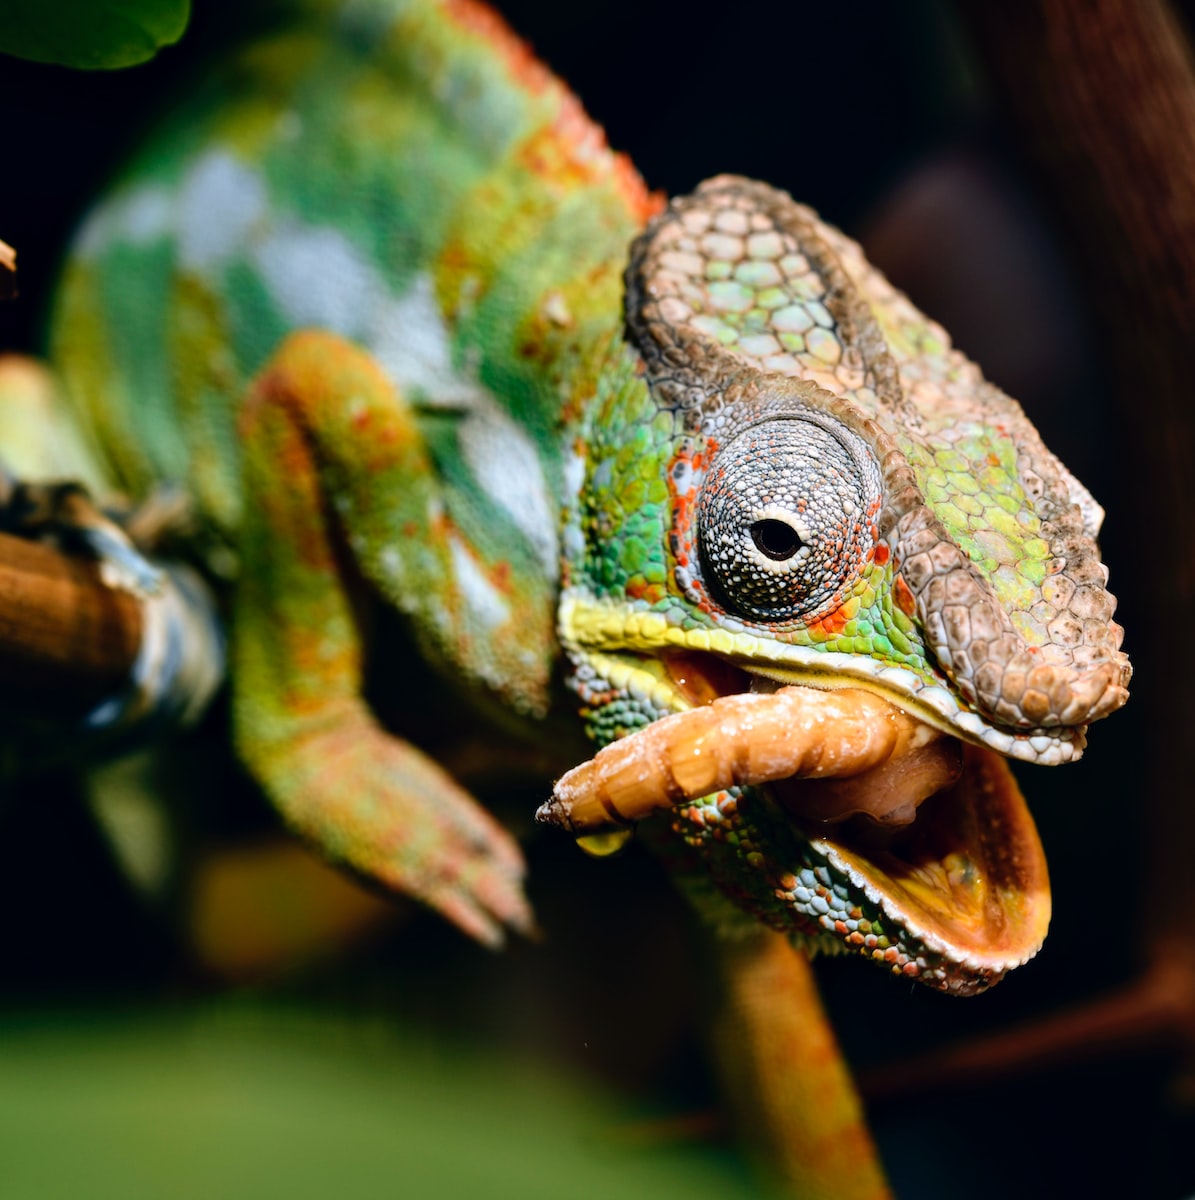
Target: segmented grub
x=738, y=740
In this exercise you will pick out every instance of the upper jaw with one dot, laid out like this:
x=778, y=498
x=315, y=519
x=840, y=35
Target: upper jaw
x=605, y=633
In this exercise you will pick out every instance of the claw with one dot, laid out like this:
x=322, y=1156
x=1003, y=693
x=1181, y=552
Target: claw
x=479, y=925
x=380, y=807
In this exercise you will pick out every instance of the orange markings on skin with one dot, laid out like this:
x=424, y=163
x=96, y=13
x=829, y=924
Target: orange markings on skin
x=904, y=597
x=485, y=23
x=880, y=553
x=831, y=624
x=640, y=589
x=642, y=203
x=260, y=421
x=443, y=530
x=571, y=150
x=455, y=266
x=583, y=142
x=682, y=502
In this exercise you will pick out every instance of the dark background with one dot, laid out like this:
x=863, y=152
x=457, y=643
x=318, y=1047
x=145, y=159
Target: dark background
x=876, y=115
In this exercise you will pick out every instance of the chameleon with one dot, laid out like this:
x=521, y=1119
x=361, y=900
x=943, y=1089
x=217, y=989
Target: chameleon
x=381, y=298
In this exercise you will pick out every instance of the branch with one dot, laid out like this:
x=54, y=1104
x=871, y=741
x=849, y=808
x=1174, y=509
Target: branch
x=67, y=640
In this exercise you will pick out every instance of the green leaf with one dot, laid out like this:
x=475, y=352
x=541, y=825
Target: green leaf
x=92, y=34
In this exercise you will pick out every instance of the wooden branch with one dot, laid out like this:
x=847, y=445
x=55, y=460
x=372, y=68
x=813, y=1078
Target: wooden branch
x=1155, y=1013
x=67, y=640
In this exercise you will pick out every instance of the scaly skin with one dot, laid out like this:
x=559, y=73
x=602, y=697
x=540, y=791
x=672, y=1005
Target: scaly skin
x=394, y=324
x=451, y=233
x=946, y=559
x=364, y=297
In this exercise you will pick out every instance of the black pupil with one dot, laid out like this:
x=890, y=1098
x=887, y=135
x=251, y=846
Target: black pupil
x=775, y=539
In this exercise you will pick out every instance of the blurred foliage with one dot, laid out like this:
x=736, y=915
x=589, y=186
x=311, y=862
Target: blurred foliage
x=91, y=34
x=242, y=1101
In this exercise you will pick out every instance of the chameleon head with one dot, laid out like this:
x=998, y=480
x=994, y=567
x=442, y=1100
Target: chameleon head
x=804, y=484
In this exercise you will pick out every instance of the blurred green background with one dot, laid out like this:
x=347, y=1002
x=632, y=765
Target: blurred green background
x=244, y=1101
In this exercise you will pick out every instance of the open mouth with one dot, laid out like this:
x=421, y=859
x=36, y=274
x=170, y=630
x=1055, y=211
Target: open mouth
x=966, y=877
x=863, y=824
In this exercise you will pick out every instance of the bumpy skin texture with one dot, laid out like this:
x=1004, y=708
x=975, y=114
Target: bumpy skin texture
x=382, y=340
x=363, y=326
x=848, y=503
x=987, y=541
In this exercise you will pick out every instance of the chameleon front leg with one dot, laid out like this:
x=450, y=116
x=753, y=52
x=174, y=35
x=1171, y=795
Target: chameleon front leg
x=339, y=481
x=785, y=1078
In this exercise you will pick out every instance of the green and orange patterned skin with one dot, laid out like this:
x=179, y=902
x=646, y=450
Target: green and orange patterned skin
x=368, y=299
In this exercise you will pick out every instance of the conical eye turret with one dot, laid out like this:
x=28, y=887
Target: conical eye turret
x=785, y=518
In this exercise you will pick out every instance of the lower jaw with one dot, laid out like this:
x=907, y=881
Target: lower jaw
x=956, y=896
x=967, y=879
x=953, y=856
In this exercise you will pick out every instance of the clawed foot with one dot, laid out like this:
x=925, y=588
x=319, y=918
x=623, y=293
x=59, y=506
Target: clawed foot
x=66, y=514
x=380, y=807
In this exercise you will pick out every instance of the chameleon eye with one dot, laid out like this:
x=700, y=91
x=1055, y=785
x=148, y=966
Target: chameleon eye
x=784, y=518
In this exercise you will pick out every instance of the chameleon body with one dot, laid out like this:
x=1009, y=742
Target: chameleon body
x=364, y=297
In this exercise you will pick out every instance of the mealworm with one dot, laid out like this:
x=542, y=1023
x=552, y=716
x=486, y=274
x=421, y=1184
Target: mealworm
x=747, y=738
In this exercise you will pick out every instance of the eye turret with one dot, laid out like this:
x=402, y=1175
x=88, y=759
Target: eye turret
x=784, y=519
